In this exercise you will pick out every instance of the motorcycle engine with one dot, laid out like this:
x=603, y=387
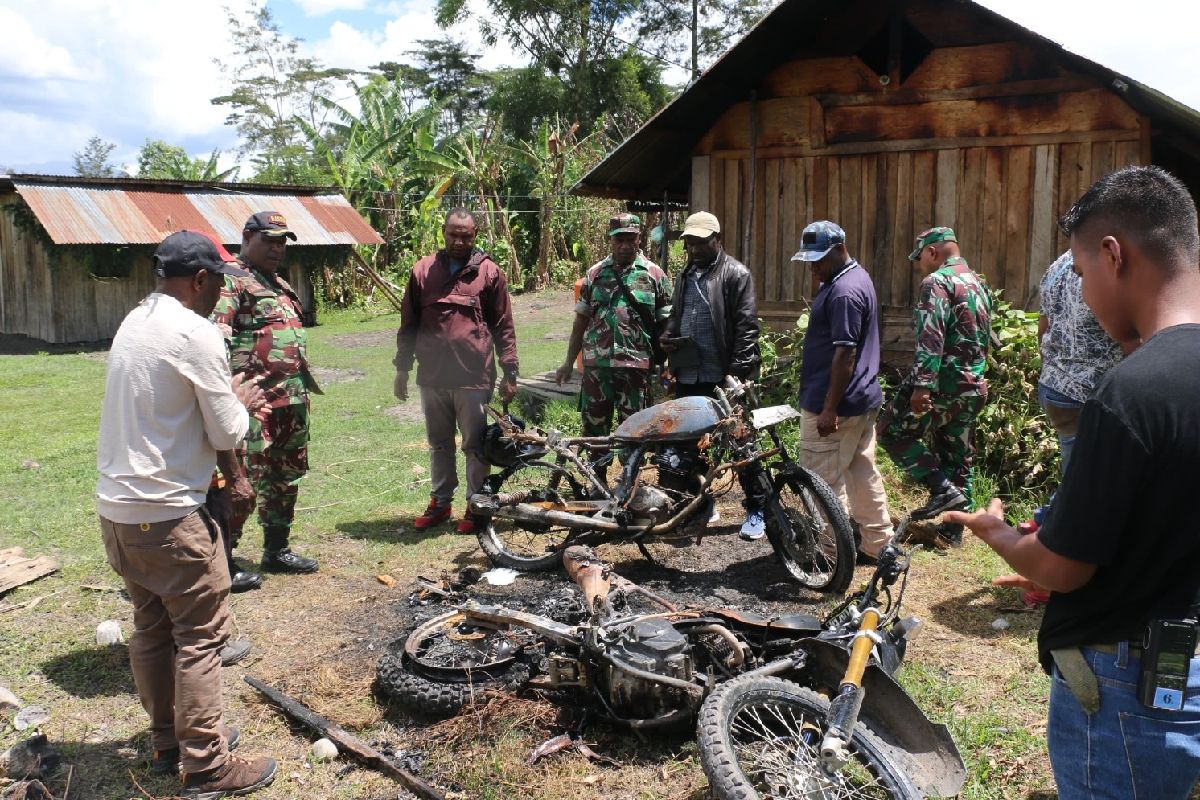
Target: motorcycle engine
x=651, y=502
x=654, y=646
x=678, y=468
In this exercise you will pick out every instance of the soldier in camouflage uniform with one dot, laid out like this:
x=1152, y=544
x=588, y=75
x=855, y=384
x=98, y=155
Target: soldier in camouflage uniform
x=618, y=349
x=261, y=319
x=946, y=389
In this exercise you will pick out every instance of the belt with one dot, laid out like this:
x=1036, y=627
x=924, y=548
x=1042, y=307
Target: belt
x=1112, y=648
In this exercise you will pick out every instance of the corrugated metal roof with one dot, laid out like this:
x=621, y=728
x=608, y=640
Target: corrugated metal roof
x=657, y=157
x=105, y=214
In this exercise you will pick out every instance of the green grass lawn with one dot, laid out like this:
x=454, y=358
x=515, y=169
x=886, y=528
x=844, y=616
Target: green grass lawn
x=369, y=477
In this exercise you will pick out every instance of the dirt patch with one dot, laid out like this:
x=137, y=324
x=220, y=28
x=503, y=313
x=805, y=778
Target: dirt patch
x=327, y=376
x=409, y=411
x=359, y=340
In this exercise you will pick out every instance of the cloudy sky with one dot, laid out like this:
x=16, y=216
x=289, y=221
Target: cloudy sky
x=127, y=70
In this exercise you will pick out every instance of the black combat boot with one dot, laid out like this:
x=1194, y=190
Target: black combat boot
x=242, y=580
x=278, y=557
x=943, y=496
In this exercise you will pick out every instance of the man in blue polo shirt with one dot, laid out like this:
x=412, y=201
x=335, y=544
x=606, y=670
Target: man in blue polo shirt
x=839, y=383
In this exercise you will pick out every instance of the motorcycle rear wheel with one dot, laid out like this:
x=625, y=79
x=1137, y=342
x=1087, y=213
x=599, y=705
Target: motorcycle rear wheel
x=523, y=546
x=817, y=544
x=760, y=740
x=444, y=665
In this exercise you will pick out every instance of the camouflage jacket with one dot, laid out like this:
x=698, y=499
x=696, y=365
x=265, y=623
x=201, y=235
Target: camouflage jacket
x=261, y=320
x=953, y=329
x=615, y=335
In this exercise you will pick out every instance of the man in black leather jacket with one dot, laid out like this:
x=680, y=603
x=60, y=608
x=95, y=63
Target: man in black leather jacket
x=713, y=328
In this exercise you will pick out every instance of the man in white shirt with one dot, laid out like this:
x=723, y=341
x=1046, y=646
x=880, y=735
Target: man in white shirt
x=169, y=406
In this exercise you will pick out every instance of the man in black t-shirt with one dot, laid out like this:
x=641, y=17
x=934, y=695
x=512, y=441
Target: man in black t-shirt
x=1121, y=546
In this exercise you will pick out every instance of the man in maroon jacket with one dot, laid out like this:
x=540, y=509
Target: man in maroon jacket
x=456, y=309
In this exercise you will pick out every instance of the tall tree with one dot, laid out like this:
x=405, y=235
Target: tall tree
x=92, y=160
x=578, y=44
x=665, y=27
x=272, y=87
x=157, y=159
x=447, y=74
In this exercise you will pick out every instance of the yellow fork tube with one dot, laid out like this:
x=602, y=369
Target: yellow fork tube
x=860, y=652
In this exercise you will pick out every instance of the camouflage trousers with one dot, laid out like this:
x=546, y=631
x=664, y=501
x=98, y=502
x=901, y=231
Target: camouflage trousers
x=605, y=389
x=275, y=457
x=947, y=428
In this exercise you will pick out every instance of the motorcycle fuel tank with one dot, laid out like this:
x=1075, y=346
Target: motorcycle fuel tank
x=673, y=421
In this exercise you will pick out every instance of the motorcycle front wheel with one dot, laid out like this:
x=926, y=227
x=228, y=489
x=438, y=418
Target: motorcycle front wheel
x=445, y=663
x=525, y=546
x=760, y=739
x=810, y=532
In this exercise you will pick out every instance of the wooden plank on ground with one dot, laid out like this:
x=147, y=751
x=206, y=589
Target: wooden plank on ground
x=16, y=570
x=543, y=387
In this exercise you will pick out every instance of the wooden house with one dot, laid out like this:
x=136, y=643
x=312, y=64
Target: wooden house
x=75, y=252
x=889, y=117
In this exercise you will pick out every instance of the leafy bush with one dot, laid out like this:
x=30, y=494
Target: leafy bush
x=782, y=355
x=1013, y=439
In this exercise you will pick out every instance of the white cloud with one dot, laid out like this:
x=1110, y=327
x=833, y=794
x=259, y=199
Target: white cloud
x=319, y=8
x=124, y=70
x=26, y=55
x=347, y=46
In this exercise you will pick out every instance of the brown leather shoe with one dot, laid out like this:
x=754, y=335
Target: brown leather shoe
x=234, y=778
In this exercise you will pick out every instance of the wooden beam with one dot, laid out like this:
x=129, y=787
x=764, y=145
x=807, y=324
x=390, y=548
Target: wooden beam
x=902, y=97
x=700, y=199
x=906, y=145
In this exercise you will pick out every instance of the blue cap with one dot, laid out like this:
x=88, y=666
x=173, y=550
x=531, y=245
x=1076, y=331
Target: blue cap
x=818, y=239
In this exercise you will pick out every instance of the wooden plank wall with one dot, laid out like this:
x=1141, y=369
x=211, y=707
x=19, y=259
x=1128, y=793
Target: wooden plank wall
x=24, y=281
x=994, y=139
x=1003, y=202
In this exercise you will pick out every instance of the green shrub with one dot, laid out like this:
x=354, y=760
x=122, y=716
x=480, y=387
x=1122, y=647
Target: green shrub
x=1013, y=440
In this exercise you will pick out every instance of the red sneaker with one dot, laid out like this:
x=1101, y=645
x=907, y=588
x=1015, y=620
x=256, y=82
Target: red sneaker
x=466, y=525
x=432, y=515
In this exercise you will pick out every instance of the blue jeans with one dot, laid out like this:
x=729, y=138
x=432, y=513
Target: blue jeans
x=1063, y=413
x=1124, y=751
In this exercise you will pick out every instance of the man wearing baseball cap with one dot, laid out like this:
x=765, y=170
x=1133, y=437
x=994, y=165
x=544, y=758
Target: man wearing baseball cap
x=169, y=406
x=624, y=301
x=946, y=389
x=713, y=330
x=839, y=382
x=261, y=318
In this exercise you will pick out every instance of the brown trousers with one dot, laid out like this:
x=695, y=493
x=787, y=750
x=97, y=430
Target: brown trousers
x=178, y=580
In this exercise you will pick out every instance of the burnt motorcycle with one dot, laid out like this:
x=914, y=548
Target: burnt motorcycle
x=675, y=458
x=758, y=686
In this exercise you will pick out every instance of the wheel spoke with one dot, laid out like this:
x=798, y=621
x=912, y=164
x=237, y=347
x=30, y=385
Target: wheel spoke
x=768, y=740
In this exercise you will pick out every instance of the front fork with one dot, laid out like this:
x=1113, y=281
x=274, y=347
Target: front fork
x=844, y=707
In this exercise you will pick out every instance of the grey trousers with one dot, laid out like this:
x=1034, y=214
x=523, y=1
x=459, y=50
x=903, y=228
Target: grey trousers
x=444, y=409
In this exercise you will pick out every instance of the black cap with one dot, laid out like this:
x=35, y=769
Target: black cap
x=187, y=252
x=272, y=223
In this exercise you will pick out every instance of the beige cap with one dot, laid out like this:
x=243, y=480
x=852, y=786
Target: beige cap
x=702, y=224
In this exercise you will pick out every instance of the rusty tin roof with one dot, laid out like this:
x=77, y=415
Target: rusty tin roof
x=132, y=211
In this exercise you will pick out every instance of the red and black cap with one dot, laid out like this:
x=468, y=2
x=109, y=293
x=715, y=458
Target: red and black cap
x=272, y=223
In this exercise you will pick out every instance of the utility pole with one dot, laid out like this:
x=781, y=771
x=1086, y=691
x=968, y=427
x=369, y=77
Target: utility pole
x=695, y=39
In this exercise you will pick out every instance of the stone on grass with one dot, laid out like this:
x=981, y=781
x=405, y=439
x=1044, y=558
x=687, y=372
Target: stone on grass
x=324, y=750
x=109, y=632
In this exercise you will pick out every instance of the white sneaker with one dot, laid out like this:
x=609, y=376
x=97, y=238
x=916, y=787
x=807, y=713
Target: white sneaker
x=754, y=527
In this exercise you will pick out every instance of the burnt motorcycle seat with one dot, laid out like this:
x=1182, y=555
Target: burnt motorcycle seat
x=804, y=623
x=681, y=420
